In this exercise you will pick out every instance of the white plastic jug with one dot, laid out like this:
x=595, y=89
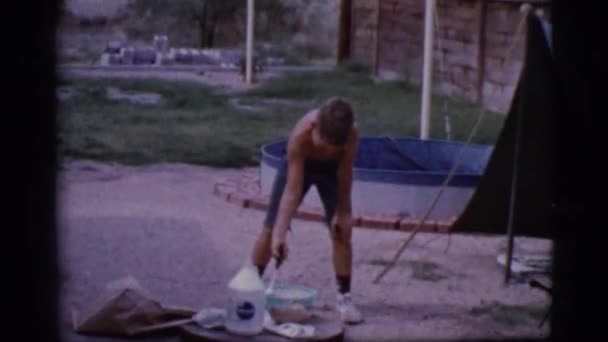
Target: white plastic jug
x=247, y=302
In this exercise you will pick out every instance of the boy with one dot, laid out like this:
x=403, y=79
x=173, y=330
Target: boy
x=320, y=151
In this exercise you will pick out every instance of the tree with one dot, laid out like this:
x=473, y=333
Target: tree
x=204, y=13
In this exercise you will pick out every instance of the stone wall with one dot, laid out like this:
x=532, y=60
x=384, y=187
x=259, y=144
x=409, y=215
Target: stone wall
x=458, y=37
x=502, y=67
x=470, y=55
x=363, y=30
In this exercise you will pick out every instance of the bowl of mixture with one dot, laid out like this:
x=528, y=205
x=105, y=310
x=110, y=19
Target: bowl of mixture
x=283, y=294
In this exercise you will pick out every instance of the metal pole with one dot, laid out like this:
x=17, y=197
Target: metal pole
x=512, y=199
x=425, y=125
x=249, y=54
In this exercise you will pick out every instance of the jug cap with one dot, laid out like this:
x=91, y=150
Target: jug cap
x=247, y=279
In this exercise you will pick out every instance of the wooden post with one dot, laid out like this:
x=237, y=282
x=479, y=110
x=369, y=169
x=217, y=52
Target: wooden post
x=344, y=31
x=481, y=49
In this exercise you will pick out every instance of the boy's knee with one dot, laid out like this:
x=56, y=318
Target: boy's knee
x=341, y=235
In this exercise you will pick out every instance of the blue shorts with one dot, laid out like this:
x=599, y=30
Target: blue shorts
x=319, y=173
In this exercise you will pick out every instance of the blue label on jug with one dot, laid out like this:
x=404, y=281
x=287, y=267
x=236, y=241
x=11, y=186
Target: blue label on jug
x=245, y=310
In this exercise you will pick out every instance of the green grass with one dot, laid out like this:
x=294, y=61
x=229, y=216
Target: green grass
x=511, y=314
x=384, y=262
x=192, y=126
x=426, y=271
x=387, y=108
x=421, y=270
x=195, y=124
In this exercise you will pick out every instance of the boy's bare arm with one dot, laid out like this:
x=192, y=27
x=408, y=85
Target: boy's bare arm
x=292, y=192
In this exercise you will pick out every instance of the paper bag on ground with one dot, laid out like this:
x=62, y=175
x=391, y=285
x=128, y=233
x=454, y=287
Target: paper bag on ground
x=124, y=308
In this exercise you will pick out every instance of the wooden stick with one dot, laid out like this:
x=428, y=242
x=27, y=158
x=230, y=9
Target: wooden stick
x=537, y=284
x=525, y=10
x=179, y=311
x=433, y=202
x=161, y=326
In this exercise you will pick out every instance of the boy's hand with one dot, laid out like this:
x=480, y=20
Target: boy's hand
x=279, y=250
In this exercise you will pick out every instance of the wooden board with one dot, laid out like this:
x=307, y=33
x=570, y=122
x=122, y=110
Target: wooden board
x=328, y=328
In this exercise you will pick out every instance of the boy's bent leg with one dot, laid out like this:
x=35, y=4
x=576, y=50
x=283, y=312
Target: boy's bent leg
x=327, y=187
x=341, y=238
x=342, y=257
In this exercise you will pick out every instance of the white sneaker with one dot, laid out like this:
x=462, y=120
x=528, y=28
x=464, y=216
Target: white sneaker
x=347, y=310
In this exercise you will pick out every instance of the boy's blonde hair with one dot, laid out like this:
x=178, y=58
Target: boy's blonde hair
x=335, y=121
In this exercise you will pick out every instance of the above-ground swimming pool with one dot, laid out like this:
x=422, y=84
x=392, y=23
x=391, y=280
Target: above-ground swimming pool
x=400, y=175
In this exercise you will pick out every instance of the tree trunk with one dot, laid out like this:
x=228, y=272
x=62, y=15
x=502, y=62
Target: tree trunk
x=211, y=33
x=202, y=25
x=202, y=32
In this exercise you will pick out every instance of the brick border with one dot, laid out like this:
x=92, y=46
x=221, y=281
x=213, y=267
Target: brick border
x=244, y=191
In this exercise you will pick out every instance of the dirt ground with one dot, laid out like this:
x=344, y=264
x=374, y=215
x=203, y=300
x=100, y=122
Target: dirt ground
x=162, y=225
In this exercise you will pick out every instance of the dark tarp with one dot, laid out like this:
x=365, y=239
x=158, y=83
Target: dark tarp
x=525, y=150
